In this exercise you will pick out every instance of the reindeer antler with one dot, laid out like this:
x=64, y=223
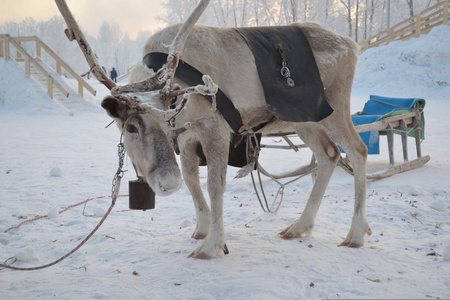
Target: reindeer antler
x=162, y=80
x=167, y=72
x=73, y=32
x=177, y=45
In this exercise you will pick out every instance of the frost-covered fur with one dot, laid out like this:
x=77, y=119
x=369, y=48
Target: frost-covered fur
x=140, y=72
x=224, y=55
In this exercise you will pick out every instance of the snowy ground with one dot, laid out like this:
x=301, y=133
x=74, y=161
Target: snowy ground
x=142, y=255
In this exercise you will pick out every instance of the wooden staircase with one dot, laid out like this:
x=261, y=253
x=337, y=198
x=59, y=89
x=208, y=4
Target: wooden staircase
x=57, y=86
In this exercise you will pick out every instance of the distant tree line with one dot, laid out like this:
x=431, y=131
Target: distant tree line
x=358, y=19
x=113, y=47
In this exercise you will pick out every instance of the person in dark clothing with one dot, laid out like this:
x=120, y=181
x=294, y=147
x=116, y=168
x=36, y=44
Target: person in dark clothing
x=114, y=75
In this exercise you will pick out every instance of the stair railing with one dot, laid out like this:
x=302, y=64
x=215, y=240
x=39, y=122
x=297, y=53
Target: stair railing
x=6, y=41
x=411, y=27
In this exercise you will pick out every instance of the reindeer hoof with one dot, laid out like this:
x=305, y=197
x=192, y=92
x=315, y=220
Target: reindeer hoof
x=225, y=249
x=293, y=232
x=287, y=235
x=350, y=244
x=283, y=232
x=199, y=236
x=354, y=240
x=200, y=255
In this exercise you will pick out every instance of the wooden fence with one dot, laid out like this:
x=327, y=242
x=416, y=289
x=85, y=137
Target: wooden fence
x=412, y=27
x=7, y=42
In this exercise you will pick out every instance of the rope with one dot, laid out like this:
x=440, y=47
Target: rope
x=59, y=212
x=252, y=153
x=388, y=104
x=114, y=195
x=280, y=191
x=68, y=254
x=391, y=104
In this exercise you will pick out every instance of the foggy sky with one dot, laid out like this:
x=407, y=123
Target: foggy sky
x=131, y=15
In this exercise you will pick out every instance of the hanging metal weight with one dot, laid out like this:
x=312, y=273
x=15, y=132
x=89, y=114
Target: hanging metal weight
x=285, y=72
x=141, y=196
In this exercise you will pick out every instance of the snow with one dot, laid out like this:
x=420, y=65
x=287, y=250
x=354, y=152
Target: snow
x=26, y=254
x=446, y=253
x=439, y=205
x=56, y=172
x=142, y=255
x=4, y=238
x=52, y=213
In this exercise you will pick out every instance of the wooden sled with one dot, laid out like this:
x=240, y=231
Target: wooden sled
x=380, y=116
x=403, y=116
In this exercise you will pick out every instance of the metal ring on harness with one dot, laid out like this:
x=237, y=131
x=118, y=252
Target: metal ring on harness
x=285, y=72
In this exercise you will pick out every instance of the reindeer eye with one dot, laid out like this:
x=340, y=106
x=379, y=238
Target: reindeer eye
x=132, y=129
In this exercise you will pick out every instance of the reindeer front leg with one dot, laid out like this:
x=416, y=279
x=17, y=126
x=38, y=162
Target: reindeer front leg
x=215, y=147
x=189, y=166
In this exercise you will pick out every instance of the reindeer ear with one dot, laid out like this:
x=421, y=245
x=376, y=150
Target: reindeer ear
x=115, y=108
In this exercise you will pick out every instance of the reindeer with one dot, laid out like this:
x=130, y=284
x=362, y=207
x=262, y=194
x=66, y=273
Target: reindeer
x=141, y=111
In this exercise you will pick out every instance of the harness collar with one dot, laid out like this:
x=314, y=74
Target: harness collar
x=192, y=76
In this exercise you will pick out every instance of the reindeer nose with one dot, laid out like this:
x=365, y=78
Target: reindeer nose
x=165, y=182
x=167, y=189
x=172, y=186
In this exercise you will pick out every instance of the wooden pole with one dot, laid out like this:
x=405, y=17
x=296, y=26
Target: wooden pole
x=38, y=50
x=418, y=19
x=2, y=44
x=27, y=66
x=445, y=21
x=50, y=86
x=7, y=48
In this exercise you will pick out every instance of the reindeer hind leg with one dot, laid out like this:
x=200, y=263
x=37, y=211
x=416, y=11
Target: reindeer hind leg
x=356, y=151
x=327, y=156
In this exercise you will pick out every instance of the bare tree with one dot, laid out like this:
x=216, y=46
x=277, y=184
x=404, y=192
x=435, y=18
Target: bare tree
x=270, y=18
x=357, y=20
x=177, y=10
x=306, y=9
x=244, y=13
x=234, y=14
x=221, y=12
x=294, y=10
x=368, y=18
x=327, y=11
x=411, y=7
x=109, y=38
x=348, y=7
x=257, y=13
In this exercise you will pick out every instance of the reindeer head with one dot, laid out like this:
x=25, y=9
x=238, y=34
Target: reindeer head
x=147, y=145
x=141, y=109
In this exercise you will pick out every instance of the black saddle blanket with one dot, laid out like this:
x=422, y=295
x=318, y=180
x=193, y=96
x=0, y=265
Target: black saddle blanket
x=298, y=97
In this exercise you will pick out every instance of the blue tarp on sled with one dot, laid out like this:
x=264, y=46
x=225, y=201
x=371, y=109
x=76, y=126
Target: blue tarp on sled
x=379, y=107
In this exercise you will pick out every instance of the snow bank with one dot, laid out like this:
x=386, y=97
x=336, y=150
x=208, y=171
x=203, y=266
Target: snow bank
x=17, y=91
x=407, y=68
